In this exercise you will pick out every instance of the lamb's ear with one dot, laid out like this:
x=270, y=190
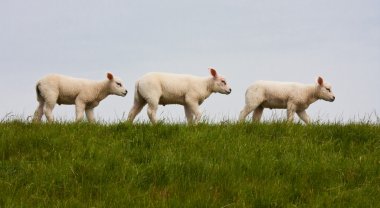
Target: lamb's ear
x=320, y=81
x=109, y=76
x=213, y=72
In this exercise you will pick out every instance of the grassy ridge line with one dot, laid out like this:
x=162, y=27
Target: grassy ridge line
x=208, y=165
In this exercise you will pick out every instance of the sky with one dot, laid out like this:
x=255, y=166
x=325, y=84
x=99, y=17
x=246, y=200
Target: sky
x=245, y=41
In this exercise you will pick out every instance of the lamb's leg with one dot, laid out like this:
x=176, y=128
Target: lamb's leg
x=90, y=115
x=79, y=110
x=198, y=115
x=152, y=109
x=39, y=112
x=252, y=101
x=136, y=109
x=257, y=114
x=248, y=108
x=303, y=115
x=194, y=109
x=189, y=114
x=244, y=113
x=290, y=113
x=48, y=110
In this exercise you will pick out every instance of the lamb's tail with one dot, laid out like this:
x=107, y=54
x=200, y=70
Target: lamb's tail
x=137, y=88
x=138, y=96
x=38, y=92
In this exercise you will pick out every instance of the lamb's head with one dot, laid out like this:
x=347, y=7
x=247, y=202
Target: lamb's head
x=116, y=86
x=323, y=90
x=219, y=84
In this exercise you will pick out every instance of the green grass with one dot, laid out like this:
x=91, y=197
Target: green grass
x=174, y=165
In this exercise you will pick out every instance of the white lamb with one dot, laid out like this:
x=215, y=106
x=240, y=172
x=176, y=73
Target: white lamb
x=294, y=97
x=85, y=94
x=163, y=89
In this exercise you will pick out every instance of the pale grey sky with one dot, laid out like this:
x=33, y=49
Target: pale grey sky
x=292, y=40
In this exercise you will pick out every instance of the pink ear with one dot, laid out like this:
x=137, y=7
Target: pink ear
x=213, y=72
x=109, y=76
x=320, y=81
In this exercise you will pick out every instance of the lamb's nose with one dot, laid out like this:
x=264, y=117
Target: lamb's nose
x=333, y=98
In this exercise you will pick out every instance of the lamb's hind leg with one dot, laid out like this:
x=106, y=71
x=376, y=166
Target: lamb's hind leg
x=39, y=112
x=152, y=109
x=248, y=108
x=257, y=114
x=136, y=109
x=48, y=110
x=244, y=113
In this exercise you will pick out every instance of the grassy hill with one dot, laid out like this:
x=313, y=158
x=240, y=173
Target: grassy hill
x=174, y=165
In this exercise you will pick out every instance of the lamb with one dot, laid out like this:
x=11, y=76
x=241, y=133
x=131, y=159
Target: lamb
x=164, y=88
x=294, y=97
x=85, y=94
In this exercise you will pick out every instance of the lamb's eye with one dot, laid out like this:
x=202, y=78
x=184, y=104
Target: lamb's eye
x=224, y=82
x=118, y=84
x=329, y=90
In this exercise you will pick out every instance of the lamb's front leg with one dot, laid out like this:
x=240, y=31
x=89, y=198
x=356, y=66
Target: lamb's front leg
x=90, y=115
x=303, y=115
x=79, y=110
x=290, y=112
x=194, y=108
x=189, y=114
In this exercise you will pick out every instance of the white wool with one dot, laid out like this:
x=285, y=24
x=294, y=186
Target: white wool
x=164, y=88
x=295, y=97
x=84, y=94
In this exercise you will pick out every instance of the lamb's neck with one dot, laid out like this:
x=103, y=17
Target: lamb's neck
x=312, y=94
x=102, y=90
x=209, y=82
